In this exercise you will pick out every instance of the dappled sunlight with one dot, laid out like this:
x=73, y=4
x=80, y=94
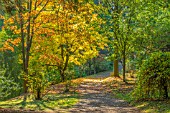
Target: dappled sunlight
x=92, y=56
x=50, y=101
x=97, y=79
x=110, y=79
x=92, y=80
x=107, y=79
x=81, y=80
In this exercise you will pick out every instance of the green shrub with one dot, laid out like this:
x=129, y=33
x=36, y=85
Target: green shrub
x=154, y=77
x=37, y=79
x=37, y=83
x=7, y=86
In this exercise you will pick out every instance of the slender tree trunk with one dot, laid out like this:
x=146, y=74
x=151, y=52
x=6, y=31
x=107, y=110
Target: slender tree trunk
x=62, y=75
x=94, y=64
x=116, y=64
x=165, y=88
x=38, y=94
x=116, y=32
x=23, y=48
x=29, y=7
x=165, y=91
x=116, y=68
x=89, y=73
x=124, y=66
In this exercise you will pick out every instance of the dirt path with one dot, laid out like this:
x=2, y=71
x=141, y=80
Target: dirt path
x=95, y=99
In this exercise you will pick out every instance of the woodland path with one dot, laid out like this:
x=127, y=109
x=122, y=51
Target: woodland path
x=95, y=98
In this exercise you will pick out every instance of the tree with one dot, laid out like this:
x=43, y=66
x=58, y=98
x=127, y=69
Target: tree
x=121, y=14
x=70, y=37
x=152, y=29
x=23, y=22
x=103, y=9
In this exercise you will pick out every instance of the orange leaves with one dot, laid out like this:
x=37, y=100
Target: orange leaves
x=10, y=20
x=13, y=28
x=50, y=59
x=10, y=44
x=1, y=17
x=16, y=41
x=7, y=47
x=59, y=31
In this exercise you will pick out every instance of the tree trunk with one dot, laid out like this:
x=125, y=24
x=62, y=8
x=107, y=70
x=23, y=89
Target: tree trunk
x=29, y=7
x=165, y=91
x=94, y=65
x=62, y=76
x=38, y=94
x=165, y=88
x=116, y=68
x=124, y=66
x=116, y=63
x=23, y=48
x=89, y=73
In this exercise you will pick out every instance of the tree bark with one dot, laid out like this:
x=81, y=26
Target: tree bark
x=116, y=68
x=89, y=73
x=28, y=40
x=23, y=48
x=124, y=66
x=38, y=94
x=165, y=91
x=116, y=64
x=94, y=65
x=116, y=27
x=62, y=75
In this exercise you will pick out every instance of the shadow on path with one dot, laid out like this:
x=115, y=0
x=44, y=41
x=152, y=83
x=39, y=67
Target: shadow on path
x=94, y=99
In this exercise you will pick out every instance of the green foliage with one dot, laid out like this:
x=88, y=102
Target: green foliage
x=152, y=26
x=37, y=79
x=9, y=70
x=69, y=75
x=7, y=86
x=37, y=83
x=1, y=24
x=48, y=103
x=52, y=75
x=154, y=77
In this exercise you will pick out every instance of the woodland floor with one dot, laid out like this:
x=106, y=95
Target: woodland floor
x=95, y=94
x=97, y=97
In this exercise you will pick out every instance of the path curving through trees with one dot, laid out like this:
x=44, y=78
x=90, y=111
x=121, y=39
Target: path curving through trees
x=95, y=98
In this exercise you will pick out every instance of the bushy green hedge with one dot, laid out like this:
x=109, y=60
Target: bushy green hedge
x=154, y=77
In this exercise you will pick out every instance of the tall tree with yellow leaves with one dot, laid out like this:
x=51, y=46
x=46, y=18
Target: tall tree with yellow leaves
x=70, y=36
x=22, y=22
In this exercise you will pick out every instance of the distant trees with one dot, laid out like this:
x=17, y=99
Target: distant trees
x=125, y=23
x=120, y=20
x=40, y=34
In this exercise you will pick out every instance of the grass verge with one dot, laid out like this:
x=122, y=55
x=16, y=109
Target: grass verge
x=50, y=102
